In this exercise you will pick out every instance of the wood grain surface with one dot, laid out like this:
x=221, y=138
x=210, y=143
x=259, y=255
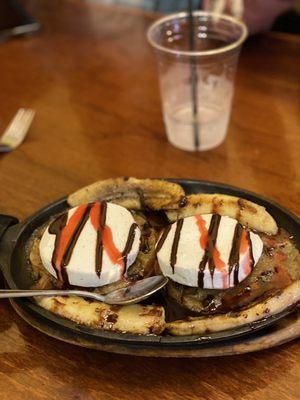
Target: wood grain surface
x=91, y=77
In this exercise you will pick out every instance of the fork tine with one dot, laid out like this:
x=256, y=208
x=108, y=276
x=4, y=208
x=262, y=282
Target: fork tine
x=26, y=120
x=22, y=119
x=16, y=124
x=13, y=123
x=17, y=129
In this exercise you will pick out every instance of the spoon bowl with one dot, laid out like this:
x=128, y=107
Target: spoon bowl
x=137, y=292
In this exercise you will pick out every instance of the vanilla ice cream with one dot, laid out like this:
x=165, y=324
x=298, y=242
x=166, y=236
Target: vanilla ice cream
x=91, y=245
x=208, y=251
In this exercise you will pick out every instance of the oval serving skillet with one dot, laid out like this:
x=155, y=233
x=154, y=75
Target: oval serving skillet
x=14, y=236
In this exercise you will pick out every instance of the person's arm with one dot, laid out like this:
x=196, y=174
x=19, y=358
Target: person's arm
x=259, y=15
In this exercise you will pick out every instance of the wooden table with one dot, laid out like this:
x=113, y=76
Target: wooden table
x=91, y=77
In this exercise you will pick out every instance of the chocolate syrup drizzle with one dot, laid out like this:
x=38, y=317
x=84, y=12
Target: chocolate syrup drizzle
x=129, y=244
x=163, y=238
x=99, y=242
x=208, y=254
x=250, y=250
x=208, y=257
x=235, y=253
x=56, y=228
x=75, y=237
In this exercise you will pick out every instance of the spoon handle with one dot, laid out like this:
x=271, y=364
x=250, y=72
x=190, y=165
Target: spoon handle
x=11, y=293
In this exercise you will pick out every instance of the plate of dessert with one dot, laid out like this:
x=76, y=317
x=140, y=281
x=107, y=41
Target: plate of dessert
x=231, y=258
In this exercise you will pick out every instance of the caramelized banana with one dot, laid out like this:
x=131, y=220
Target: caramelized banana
x=131, y=193
x=136, y=318
x=247, y=213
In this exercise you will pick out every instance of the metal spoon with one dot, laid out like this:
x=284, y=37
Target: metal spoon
x=134, y=293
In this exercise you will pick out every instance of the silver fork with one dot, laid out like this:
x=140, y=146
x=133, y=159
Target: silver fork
x=17, y=130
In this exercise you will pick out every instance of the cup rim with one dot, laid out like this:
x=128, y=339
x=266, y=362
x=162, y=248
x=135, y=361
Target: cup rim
x=183, y=14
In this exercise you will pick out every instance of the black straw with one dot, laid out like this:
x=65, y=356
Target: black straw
x=194, y=76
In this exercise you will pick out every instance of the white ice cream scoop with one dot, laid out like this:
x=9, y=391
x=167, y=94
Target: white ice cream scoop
x=208, y=251
x=91, y=245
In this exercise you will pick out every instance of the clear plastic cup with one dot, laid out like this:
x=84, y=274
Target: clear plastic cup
x=197, y=86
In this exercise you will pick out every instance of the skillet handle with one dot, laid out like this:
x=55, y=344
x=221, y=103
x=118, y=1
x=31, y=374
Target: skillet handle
x=5, y=222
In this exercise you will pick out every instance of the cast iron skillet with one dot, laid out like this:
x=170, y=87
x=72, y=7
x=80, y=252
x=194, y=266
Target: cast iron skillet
x=14, y=237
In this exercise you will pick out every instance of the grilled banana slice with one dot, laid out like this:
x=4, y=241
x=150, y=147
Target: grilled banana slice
x=247, y=213
x=131, y=193
x=271, y=306
x=136, y=318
